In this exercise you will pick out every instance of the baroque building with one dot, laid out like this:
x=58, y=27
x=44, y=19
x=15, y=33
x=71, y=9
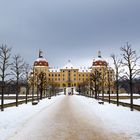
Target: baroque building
x=71, y=76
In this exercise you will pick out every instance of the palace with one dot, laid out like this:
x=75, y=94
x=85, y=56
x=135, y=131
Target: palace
x=71, y=76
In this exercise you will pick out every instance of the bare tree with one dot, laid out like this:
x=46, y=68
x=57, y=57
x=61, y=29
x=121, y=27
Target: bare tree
x=17, y=69
x=32, y=82
x=130, y=60
x=109, y=85
x=96, y=79
x=103, y=74
x=54, y=88
x=43, y=83
x=83, y=87
x=5, y=54
x=27, y=69
x=117, y=64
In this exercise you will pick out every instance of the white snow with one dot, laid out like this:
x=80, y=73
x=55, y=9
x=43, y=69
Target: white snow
x=69, y=65
x=10, y=101
x=118, y=119
x=122, y=94
x=135, y=101
x=13, y=118
x=41, y=59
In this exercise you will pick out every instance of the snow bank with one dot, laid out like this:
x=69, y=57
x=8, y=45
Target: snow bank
x=118, y=119
x=13, y=118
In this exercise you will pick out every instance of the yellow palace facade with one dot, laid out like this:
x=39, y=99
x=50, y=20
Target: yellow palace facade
x=69, y=75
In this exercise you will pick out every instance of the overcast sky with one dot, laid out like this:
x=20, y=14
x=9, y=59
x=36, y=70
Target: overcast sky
x=69, y=29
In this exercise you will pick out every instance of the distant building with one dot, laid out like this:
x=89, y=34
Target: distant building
x=71, y=76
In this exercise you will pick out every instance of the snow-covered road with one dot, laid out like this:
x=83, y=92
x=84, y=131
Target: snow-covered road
x=66, y=119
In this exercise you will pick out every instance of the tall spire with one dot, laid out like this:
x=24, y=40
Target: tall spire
x=40, y=54
x=99, y=54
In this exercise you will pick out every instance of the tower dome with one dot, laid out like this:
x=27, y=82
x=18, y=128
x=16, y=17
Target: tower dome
x=99, y=61
x=40, y=61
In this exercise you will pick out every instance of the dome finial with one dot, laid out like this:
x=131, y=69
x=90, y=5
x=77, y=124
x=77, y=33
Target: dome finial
x=40, y=54
x=99, y=54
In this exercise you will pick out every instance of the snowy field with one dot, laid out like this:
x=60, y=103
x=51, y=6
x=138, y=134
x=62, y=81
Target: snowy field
x=10, y=101
x=118, y=119
x=121, y=94
x=135, y=101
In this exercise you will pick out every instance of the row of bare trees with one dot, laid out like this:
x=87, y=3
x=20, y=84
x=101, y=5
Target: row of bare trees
x=126, y=67
x=40, y=86
x=12, y=68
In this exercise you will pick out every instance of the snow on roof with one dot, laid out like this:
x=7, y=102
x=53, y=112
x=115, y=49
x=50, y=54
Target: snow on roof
x=40, y=59
x=54, y=70
x=84, y=69
x=69, y=65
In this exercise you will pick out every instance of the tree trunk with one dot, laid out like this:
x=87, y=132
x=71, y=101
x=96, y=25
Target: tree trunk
x=117, y=91
x=2, y=97
x=17, y=87
x=27, y=93
x=41, y=91
x=131, y=94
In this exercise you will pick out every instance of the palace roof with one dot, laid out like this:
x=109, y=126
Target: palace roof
x=99, y=61
x=41, y=61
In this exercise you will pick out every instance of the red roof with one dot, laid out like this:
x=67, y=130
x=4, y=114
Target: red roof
x=99, y=63
x=41, y=62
